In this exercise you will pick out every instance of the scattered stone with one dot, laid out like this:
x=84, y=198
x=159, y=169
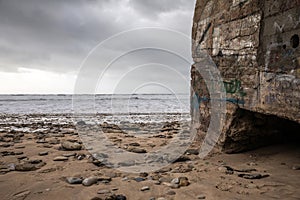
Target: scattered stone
x=60, y=158
x=22, y=194
x=81, y=123
x=116, y=197
x=192, y=152
x=42, y=141
x=156, y=182
x=296, y=167
x=182, y=159
x=69, y=154
x=253, y=176
x=103, y=192
x=145, y=188
x=29, y=166
x=165, y=179
x=43, y=153
x=74, y=180
x=11, y=167
x=71, y=146
x=21, y=157
x=144, y=174
x=96, y=198
x=137, y=150
x=90, y=181
x=183, y=181
x=201, y=196
x=134, y=144
x=139, y=179
x=175, y=181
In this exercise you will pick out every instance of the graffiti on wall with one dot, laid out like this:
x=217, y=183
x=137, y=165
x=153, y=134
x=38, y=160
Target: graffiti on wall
x=283, y=90
x=233, y=87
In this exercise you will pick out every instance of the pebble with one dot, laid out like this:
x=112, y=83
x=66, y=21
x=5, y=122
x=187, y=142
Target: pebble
x=74, y=180
x=145, y=188
x=60, y=158
x=139, y=179
x=69, y=154
x=296, y=167
x=103, y=192
x=90, y=181
x=201, y=196
x=81, y=123
x=29, y=166
x=96, y=198
x=71, y=146
x=116, y=197
x=183, y=181
x=137, y=150
x=43, y=153
x=253, y=176
x=192, y=152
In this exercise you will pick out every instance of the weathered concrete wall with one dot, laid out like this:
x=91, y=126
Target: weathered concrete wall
x=255, y=45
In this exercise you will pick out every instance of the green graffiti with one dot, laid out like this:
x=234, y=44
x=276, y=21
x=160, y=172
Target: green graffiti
x=234, y=87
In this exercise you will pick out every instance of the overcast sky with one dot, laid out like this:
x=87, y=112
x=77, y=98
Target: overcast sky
x=43, y=43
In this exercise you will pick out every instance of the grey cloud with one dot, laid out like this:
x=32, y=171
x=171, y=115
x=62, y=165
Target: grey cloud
x=56, y=35
x=152, y=8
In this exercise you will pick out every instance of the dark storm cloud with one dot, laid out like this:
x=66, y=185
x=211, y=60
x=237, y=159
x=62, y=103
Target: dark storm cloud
x=56, y=35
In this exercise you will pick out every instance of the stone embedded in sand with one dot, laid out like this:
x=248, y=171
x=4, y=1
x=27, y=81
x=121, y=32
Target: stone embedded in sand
x=139, y=179
x=137, y=150
x=74, y=180
x=201, y=196
x=182, y=159
x=182, y=181
x=175, y=181
x=22, y=195
x=145, y=188
x=60, y=158
x=253, y=176
x=296, y=167
x=26, y=167
x=71, y=146
x=103, y=191
x=81, y=123
x=116, y=197
x=69, y=154
x=104, y=179
x=134, y=144
x=90, y=181
x=96, y=198
x=44, y=153
x=192, y=152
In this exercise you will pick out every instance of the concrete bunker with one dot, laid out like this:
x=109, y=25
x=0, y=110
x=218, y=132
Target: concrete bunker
x=255, y=46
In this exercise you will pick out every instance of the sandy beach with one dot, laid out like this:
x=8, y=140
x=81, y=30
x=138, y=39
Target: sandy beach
x=47, y=160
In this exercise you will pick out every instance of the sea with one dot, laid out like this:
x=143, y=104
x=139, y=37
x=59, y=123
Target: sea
x=111, y=107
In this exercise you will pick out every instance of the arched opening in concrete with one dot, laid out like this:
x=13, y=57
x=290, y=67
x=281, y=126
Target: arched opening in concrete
x=250, y=130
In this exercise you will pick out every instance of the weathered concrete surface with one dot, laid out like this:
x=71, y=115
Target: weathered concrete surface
x=255, y=45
